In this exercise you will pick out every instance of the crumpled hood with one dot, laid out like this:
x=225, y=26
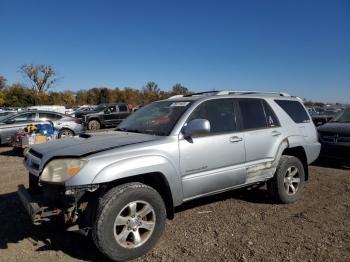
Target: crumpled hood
x=89, y=144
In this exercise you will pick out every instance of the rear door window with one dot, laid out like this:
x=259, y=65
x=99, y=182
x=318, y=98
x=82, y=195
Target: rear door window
x=49, y=116
x=295, y=110
x=271, y=118
x=252, y=113
x=123, y=108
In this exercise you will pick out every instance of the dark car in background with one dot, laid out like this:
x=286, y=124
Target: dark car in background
x=322, y=116
x=11, y=124
x=335, y=137
x=104, y=115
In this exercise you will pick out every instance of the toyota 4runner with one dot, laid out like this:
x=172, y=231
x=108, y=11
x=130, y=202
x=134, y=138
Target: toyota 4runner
x=122, y=185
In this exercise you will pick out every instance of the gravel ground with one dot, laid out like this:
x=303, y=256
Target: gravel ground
x=241, y=225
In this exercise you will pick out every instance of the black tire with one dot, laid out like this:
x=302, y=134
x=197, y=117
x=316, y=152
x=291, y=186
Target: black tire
x=18, y=151
x=94, y=125
x=111, y=206
x=65, y=133
x=280, y=187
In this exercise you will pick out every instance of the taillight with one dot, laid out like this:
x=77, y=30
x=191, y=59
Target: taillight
x=317, y=134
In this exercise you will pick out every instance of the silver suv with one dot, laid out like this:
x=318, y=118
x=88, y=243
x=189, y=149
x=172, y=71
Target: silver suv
x=122, y=185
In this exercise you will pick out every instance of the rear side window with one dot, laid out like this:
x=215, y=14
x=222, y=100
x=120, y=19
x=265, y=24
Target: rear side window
x=220, y=114
x=253, y=114
x=295, y=110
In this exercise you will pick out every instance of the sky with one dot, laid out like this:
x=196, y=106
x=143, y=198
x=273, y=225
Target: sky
x=299, y=47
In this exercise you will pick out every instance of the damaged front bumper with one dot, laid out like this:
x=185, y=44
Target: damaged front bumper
x=73, y=205
x=37, y=213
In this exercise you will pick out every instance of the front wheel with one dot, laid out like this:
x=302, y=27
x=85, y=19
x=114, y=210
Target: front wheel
x=288, y=183
x=129, y=221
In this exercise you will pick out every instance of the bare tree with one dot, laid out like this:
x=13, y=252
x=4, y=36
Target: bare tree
x=42, y=77
x=2, y=82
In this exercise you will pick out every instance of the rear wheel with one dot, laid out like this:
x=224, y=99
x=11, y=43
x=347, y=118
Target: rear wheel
x=129, y=221
x=288, y=183
x=94, y=125
x=65, y=133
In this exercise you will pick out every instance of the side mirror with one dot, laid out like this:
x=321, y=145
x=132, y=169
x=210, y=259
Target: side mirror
x=196, y=127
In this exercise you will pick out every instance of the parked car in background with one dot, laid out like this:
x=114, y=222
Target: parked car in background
x=324, y=116
x=335, y=137
x=104, y=115
x=122, y=185
x=81, y=109
x=67, y=126
x=58, y=109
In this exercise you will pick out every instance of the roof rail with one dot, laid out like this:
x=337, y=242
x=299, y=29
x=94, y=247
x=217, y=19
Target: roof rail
x=175, y=96
x=230, y=92
x=207, y=93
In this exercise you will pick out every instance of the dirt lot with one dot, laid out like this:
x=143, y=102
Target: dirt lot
x=240, y=226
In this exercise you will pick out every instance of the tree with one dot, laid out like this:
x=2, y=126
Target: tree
x=17, y=95
x=68, y=98
x=42, y=77
x=179, y=89
x=2, y=98
x=151, y=92
x=2, y=82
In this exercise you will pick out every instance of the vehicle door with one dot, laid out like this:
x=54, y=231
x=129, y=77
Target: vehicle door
x=52, y=117
x=15, y=124
x=261, y=128
x=215, y=161
x=110, y=115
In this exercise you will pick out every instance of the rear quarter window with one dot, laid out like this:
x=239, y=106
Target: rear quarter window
x=295, y=110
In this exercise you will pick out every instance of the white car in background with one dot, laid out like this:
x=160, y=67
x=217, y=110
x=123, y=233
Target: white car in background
x=54, y=108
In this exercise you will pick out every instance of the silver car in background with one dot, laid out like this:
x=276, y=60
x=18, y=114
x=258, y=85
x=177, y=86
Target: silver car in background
x=12, y=123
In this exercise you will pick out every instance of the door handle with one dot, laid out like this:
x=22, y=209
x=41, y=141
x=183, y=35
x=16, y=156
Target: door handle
x=235, y=139
x=275, y=133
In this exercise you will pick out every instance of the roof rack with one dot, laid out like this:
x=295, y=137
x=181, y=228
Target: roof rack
x=229, y=92
x=206, y=93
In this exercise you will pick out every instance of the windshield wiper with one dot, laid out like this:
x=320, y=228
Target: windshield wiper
x=156, y=133
x=128, y=130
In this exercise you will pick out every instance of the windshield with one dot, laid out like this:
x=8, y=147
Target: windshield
x=157, y=118
x=100, y=108
x=6, y=116
x=342, y=117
